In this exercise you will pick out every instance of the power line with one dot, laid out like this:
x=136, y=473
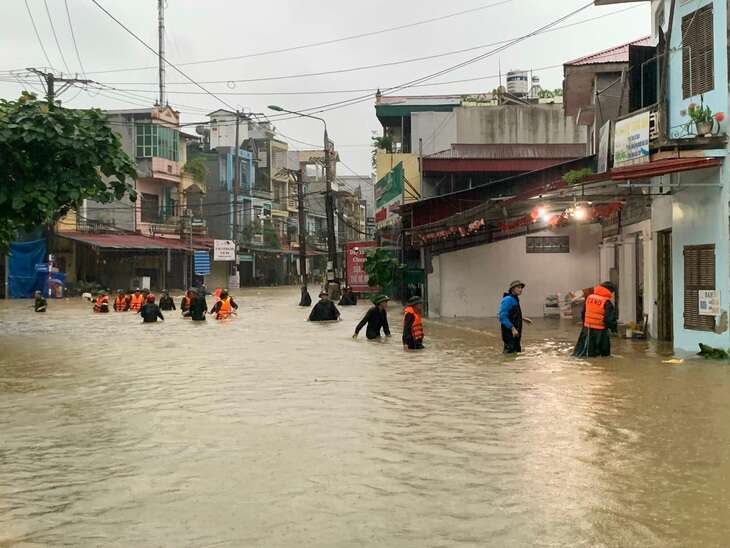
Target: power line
x=37, y=35
x=73, y=36
x=55, y=36
x=379, y=65
x=320, y=43
x=164, y=60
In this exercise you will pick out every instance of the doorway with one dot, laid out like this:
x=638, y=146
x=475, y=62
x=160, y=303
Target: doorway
x=665, y=328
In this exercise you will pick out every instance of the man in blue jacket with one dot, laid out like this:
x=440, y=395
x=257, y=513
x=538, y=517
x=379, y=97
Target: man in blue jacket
x=510, y=318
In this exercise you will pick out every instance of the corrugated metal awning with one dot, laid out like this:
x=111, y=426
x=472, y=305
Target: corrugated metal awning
x=123, y=242
x=662, y=167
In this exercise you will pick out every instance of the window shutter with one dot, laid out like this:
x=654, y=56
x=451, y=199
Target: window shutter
x=699, y=274
x=698, y=53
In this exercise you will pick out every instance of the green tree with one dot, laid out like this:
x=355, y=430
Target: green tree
x=51, y=159
x=381, y=143
x=382, y=268
x=197, y=168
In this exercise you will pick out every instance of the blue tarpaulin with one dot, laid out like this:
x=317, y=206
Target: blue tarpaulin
x=202, y=263
x=23, y=279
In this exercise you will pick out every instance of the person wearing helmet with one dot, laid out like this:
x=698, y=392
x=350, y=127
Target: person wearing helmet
x=348, y=297
x=40, y=304
x=197, y=308
x=121, y=301
x=376, y=319
x=166, y=302
x=511, y=319
x=413, y=324
x=325, y=310
x=225, y=306
x=136, y=300
x=599, y=316
x=150, y=311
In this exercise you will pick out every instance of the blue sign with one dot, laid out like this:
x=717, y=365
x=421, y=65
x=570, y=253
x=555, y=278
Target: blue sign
x=201, y=260
x=41, y=267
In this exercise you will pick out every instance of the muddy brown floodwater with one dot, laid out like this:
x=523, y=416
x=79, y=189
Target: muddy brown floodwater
x=269, y=431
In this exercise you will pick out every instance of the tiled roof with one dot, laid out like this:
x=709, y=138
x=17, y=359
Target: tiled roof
x=108, y=240
x=618, y=54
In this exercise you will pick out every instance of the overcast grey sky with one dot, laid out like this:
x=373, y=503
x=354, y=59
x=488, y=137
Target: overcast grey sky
x=202, y=30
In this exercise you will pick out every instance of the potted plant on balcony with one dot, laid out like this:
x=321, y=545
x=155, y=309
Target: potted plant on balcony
x=703, y=118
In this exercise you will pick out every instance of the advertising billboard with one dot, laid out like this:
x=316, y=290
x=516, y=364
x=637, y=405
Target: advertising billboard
x=389, y=196
x=357, y=278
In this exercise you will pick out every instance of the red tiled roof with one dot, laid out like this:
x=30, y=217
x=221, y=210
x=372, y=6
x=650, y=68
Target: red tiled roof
x=106, y=240
x=618, y=54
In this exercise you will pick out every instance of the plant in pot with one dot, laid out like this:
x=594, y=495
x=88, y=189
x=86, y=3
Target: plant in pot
x=703, y=118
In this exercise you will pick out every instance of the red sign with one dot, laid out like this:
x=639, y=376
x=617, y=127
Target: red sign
x=357, y=278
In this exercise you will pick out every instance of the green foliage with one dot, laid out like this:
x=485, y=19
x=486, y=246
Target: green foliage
x=382, y=143
x=51, y=159
x=197, y=168
x=271, y=237
x=575, y=176
x=382, y=268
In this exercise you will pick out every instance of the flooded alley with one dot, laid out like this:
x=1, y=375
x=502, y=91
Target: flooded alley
x=270, y=431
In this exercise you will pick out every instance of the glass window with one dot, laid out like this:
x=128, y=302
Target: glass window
x=155, y=140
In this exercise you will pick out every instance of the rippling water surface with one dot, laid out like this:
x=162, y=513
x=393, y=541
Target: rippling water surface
x=269, y=431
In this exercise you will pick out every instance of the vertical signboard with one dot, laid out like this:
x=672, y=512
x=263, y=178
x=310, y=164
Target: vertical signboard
x=357, y=278
x=389, y=196
x=631, y=140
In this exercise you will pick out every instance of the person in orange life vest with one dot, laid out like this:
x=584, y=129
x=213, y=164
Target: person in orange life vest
x=599, y=316
x=185, y=302
x=121, y=302
x=150, y=311
x=224, y=308
x=136, y=301
x=101, y=304
x=413, y=324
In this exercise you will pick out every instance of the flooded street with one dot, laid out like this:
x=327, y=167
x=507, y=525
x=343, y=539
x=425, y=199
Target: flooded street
x=270, y=431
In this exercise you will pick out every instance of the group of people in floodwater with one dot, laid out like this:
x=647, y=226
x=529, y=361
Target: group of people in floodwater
x=598, y=317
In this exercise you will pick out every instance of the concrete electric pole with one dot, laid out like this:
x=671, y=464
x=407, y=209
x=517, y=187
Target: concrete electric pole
x=50, y=80
x=161, y=48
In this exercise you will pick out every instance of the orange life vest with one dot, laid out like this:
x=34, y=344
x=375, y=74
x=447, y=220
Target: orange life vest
x=120, y=303
x=596, y=308
x=136, y=302
x=225, y=309
x=101, y=304
x=417, y=329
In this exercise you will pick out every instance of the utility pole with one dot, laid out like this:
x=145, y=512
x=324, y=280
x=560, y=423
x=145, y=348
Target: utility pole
x=236, y=186
x=161, y=48
x=49, y=80
x=330, y=209
x=302, y=230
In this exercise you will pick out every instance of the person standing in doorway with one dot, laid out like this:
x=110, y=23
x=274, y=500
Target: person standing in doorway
x=510, y=318
x=599, y=316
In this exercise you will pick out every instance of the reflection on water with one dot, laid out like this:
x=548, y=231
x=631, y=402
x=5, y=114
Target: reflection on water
x=269, y=431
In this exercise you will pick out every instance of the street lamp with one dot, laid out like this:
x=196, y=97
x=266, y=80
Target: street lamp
x=329, y=202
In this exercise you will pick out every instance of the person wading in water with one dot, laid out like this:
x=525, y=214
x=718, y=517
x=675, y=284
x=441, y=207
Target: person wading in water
x=510, y=318
x=599, y=315
x=413, y=324
x=325, y=310
x=224, y=308
x=376, y=318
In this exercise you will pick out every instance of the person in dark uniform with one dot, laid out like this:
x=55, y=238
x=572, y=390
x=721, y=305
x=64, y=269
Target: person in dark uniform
x=413, y=324
x=599, y=316
x=348, y=298
x=150, y=311
x=325, y=310
x=510, y=318
x=166, y=302
x=376, y=319
x=198, y=307
x=306, y=299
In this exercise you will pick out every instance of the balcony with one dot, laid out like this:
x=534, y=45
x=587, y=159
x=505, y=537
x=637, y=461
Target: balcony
x=292, y=204
x=159, y=168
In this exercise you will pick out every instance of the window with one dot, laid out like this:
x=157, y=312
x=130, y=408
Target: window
x=150, y=205
x=156, y=140
x=548, y=244
x=699, y=274
x=698, y=52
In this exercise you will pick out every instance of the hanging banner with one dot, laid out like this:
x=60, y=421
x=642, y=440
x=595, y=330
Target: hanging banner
x=201, y=261
x=224, y=250
x=631, y=140
x=357, y=278
x=389, y=196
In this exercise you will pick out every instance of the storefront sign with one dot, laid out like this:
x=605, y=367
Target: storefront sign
x=224, y=250
x=709, y=303
x=357, y=278
x=245, y=258
x=389, y=196
x=604, y=145
x=201, y=262
x=631, y=141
